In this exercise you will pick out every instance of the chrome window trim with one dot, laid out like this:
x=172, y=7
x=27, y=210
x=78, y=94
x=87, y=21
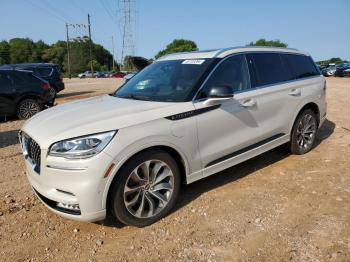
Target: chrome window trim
x=194, y=100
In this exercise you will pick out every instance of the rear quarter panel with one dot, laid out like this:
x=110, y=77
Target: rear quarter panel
x=313, y=91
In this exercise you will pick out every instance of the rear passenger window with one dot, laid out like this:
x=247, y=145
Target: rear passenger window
x=300, y=65
x=268, y=69
x=232, y=72
x=20, y=77
x=42, y=71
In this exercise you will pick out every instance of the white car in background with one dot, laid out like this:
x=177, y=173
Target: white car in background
x=129, y=76
x=182, y=118
x=88, y=74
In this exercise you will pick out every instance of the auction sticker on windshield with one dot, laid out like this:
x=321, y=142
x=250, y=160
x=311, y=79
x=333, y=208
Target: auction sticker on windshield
x=193, y=62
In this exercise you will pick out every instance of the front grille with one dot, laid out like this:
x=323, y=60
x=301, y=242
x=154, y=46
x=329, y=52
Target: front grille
x=31, y=150
x=34, y=151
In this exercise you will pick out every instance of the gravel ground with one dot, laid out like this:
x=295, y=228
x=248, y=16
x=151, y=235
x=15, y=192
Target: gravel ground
x=275, y=207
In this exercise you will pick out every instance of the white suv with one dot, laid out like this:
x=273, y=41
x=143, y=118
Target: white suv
x=184, y=117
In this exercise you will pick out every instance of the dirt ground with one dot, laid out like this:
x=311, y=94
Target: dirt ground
x=275, y=207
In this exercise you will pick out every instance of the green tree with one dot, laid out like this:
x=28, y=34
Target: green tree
x=38, y=51
x=103, y=57
x=56, y=53
x=264, y=42
x=24, y=50
x=333, y=60
x=21, y=50
x=96, y=65
x=4, y=52
x=127, y=65
x=178, y=45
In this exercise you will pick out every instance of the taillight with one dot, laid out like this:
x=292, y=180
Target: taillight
x=45, y=86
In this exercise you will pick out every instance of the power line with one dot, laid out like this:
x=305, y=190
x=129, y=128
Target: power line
x=79, y=7
x=57, y=10
x=104, y=5
x=45, y=10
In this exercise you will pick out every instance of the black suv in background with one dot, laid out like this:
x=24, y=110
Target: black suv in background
x=343, y=70
x=47, y=71
x=22, y=93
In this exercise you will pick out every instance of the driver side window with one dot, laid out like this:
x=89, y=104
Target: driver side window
x=233, y=72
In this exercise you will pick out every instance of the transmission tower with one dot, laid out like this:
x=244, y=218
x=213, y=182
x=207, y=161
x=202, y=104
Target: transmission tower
x=128, y=13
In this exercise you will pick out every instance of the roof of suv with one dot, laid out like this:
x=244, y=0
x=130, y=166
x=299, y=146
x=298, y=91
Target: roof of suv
x=220, y=53
x=31, y=65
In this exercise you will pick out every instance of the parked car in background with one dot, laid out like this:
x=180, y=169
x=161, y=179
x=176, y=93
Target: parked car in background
x=127, y=77
x=183, y=118
x=103, y=74
x=342, y=70
x=85, y=74
x=47, y=71
x=328, y=71
x=119, y=74
x=22, y=93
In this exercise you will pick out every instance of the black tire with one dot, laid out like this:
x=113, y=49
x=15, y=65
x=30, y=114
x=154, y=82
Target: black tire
x=28, y=108
x=298, y=144
x=117, y=194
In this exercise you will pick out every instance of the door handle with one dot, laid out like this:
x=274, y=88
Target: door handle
x=295, y=92
x=249, y=103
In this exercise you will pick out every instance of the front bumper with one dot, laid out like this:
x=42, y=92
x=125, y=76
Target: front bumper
x=71, y=182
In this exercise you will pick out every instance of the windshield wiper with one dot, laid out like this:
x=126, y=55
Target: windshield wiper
x=136, y=97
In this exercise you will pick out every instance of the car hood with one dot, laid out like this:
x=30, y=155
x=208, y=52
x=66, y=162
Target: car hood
x=94, y=115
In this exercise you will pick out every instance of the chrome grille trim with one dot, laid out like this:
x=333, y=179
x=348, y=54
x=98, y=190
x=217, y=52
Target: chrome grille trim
x=31, y=151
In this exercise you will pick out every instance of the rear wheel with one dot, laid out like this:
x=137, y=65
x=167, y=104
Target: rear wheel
x=146, y=189
x=28, y=108
x=304, y=132
x=52, y=92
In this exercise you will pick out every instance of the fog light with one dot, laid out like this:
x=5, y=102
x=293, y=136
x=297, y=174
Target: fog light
x=74, y=207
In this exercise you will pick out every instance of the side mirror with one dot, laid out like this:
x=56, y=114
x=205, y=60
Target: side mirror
x=218, y=94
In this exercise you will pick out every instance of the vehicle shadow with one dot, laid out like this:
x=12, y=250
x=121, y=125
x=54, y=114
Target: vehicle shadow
x=65, y=95
x=324, y=132
x=192, y=191
x=9, y=138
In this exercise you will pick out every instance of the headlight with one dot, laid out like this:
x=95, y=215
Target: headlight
x=347, y=70
x=81, y=147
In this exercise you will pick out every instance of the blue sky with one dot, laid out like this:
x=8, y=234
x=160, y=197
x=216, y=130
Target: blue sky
x=318, y=27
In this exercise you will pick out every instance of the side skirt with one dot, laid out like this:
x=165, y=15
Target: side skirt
x=236, y=159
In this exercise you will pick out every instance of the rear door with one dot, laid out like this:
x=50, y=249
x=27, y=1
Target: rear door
x=256, y=113
x=7, y=93
x=276, y=93
x=308, y=85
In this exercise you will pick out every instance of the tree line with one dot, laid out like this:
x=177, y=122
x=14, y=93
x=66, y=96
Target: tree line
x=25, y=50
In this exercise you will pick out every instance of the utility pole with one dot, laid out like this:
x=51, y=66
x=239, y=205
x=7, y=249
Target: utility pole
x=113, y=53
x=68, y=52
x=90, y=46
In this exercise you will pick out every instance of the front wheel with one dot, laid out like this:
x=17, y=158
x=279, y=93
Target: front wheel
x=304, y=133
x=146, y=189
x=28, y=108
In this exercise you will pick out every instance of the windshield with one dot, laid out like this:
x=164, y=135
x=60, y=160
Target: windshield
x=166, y=81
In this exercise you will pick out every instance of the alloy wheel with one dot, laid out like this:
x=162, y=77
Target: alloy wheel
x=306, y=131
x=52, y=93
x=28, y=108
x=148, y=189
